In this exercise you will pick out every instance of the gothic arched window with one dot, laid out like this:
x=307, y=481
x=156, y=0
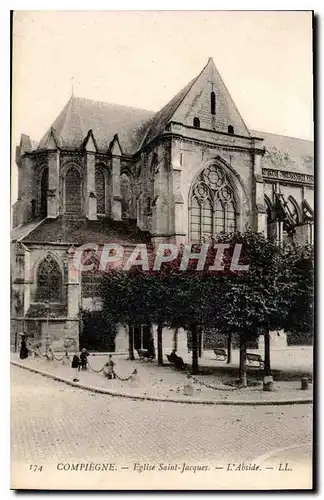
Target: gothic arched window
x=125, y=192
x=196, y=122
x=91, y=279
x=154, y=163
x=212, y=205
x=73, y=191
x=271, y=219
x=43, y=194
x=100, y=190
x=49, y=281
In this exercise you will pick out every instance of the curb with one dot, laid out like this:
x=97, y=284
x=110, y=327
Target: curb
x=269, y=454
x=163, y=399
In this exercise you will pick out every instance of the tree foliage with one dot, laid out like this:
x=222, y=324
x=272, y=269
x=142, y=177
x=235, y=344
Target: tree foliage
x=275, y=292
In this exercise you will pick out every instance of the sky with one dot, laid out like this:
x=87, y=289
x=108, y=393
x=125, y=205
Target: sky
x=142, y=59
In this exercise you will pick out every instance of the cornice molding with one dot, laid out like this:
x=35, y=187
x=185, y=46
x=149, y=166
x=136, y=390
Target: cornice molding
x=292, y=177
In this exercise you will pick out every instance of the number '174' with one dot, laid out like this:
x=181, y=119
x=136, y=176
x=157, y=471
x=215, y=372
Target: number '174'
x=36, y=468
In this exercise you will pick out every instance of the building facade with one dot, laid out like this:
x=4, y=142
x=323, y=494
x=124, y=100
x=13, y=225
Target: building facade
x=110, y=173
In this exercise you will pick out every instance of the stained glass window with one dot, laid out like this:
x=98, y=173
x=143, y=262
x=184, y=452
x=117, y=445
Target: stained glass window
x=91, y=279
x=125, y=192
x=49, y=281
x=212, y=205
x=100, y=190
x=43, y=194
x=73, y=191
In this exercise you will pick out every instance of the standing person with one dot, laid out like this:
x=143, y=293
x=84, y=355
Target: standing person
x=109, y=368
x=75, y=362
x=76, y=366
x=23, y=354
x=150, y=349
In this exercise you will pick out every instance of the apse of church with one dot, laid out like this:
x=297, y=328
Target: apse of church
x=110, y=173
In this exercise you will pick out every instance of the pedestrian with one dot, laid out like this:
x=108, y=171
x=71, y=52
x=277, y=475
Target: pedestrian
x=23, y=354
x=109, y=368
x=83, y=359
x=75, y=362
x=150, y=349
x=76, y=366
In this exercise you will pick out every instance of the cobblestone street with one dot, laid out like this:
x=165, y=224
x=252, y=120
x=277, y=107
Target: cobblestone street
x=52, y=423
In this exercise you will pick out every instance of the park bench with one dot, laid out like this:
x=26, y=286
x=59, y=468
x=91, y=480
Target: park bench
x=145, y=355
x=254, y=360
x=220, y=354
x=176, y=361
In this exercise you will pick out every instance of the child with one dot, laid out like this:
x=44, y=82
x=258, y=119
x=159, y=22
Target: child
x=109, y=368
x=83, y=359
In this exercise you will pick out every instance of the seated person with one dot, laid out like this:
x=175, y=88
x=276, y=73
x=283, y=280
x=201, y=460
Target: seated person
x=83, y=359
x=173, y=357
x=176, y=360
x=179, y=364
x=109, y=371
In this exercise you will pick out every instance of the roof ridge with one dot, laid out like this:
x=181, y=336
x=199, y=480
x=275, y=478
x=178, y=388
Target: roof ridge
x=282, y=135
x=106, y=103
x=230, y=95
x=190, y=84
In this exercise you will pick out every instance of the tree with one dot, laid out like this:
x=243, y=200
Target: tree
x=253, y=300
x=299, y=266
x=247, y=302
x=167, y=297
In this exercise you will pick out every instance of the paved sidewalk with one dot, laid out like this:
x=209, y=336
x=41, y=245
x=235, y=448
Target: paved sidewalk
x=164, y=383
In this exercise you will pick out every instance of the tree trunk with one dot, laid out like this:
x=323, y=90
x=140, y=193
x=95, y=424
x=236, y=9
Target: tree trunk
x=16, y=340
x=194, y=334
x=229, y=348
x=199, y=342
x=175, y=339
x=131, y=342
x=160, y=344
x=267, y=367
x=242, y=369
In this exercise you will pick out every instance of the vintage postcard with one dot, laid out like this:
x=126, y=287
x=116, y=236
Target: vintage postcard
x=162, y=250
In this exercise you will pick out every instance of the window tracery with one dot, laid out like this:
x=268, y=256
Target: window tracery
x=212, y=205
x=49, y=281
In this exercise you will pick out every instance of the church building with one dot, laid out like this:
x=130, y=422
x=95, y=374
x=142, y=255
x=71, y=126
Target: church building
x=110, y=173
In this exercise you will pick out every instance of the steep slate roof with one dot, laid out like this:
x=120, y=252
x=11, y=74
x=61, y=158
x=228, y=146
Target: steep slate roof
x=194, y=100
x=21, y=231
x=287, y=153
x=77, y=232
x=105, y=120
x=163, y=117
x=137, y=127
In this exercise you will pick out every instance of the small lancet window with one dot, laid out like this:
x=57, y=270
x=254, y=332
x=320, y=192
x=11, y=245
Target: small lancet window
x=230, y=129
x=149, y=206
x=196, y=122
x=213, y=103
